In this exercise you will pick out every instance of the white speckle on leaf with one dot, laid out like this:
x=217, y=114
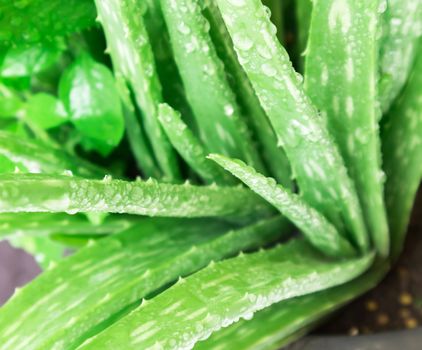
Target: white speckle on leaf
x=340, y=15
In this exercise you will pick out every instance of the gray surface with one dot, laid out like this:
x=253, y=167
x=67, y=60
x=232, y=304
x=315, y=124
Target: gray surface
x=399, y=340
x=16, y=269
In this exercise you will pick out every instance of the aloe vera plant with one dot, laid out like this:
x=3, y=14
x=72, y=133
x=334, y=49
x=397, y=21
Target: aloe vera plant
x=345, y=93
x=209, y=197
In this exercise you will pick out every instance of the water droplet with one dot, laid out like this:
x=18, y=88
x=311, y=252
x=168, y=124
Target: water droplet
x=299, y=78
x=269, y=70
x=264, y=52
x=228, y=110
x=107, y=178
x=267, y=11
x=237, y=3
x=183, y=28
x=242, y=42
x=382, y=6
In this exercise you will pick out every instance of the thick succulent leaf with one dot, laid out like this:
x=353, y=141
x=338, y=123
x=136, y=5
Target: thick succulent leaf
x=222, y=293
x=36, y=157
x=132, y=56
x=30, y=21
x=274, y=157
x=173, y=90
x=43, y=193
x=341, y=79
x=45, y=224
x=303, y=18
x=137, y=138
x=317, y=229
x=284, y=322
x=74, y=300
x=220, y=124
x=189, y=146
x=45, y=110
x=26, y=61
x=402, y=29
x=402, y=153
x=315, y=160
x=89, y=93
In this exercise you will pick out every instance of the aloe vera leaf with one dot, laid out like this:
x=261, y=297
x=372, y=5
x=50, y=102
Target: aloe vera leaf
x=24, y=21
x=75, y=241
x=188, y=146
x=44, y=193
x=173, y=90
x=132, y=55
x=35, y=157
x=341, y=79
x=224, y=292
x=44, y=224
x=402, y=28
x=220, y=124
x=276, y=9
x=284, y=322
x=402, y=153
x=274, y=157
x=137, y=139
x=303, y=17
x=315, y=160
x=316, y=228
x=151, y=255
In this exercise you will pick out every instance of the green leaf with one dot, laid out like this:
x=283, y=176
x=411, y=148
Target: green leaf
x=402, y=29
x=36, y=157
x=188, y=146
x=274, y=157
x=173, y=91
x=317, y=229
x=220, y=123
x=10, y=102
x=132, y=56
x=45, y=110
x=6, y=165
x=46, y=224
x=222, y=293
x=88, y=91
x=26, y=61
x=402, y=155
x=315, y=160
x=282, y=323
x=303, y=18
x=118, y=272
x=136, y=135
x=341, y=79
x=43, y=193
x=30, y=21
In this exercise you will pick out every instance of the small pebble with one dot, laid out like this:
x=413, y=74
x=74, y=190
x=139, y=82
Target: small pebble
x=411, y=323
x=405, y=299
x=371, y=305
x=383, y=319
x=353, y=331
